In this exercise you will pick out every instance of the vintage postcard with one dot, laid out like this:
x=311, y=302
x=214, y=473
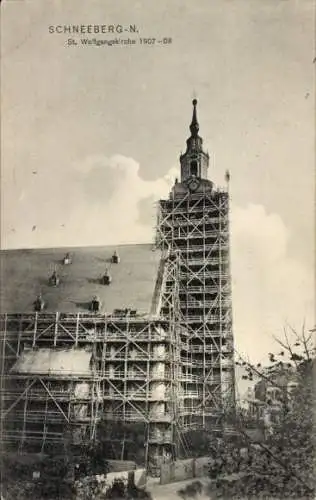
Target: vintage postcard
x=157, y=305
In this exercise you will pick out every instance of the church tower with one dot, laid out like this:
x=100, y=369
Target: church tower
x=193, y=225
x=194, y=162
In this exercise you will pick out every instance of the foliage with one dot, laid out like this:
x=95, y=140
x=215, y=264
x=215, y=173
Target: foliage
x=120, y=490
x=198, y=442
x=53, y=481
x=92, y=459
x=284, y=464
x=125, y=440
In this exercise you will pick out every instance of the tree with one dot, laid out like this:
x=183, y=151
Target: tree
x=284, y=464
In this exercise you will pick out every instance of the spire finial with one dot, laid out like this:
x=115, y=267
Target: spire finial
x=194, y=127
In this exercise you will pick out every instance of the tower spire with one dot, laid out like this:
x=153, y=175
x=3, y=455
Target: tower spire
x=194, y=127
x=194, y=162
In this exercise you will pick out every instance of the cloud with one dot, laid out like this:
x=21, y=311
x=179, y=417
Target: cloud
x=102, y=201
x=98, y=201
x=270, y=288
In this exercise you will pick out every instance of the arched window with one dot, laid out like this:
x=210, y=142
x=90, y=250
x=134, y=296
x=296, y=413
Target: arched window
x=194, y=167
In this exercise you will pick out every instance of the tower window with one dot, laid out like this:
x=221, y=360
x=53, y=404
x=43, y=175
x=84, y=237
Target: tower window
x=194, y=167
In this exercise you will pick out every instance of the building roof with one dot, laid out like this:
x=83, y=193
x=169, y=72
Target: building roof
x=25, y=274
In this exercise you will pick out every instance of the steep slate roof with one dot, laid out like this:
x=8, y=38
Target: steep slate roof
x=25, y=274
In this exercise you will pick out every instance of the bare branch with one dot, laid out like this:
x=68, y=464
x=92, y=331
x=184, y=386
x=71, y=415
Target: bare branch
x=260, y=374
x=293, y=330
x=309, y=337
x=302, y=338
x=289, y=346
x=281, y=343
x=305, y=341
x=303, y=328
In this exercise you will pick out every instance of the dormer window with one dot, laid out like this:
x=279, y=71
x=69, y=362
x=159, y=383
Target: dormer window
x=194, y=168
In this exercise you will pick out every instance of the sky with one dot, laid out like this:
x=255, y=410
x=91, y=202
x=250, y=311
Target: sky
x=91, y=136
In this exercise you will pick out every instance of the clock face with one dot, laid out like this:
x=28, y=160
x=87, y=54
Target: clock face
x=193, y=184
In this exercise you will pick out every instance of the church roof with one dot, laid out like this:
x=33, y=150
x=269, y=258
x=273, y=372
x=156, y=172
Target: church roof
x=25, y=274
